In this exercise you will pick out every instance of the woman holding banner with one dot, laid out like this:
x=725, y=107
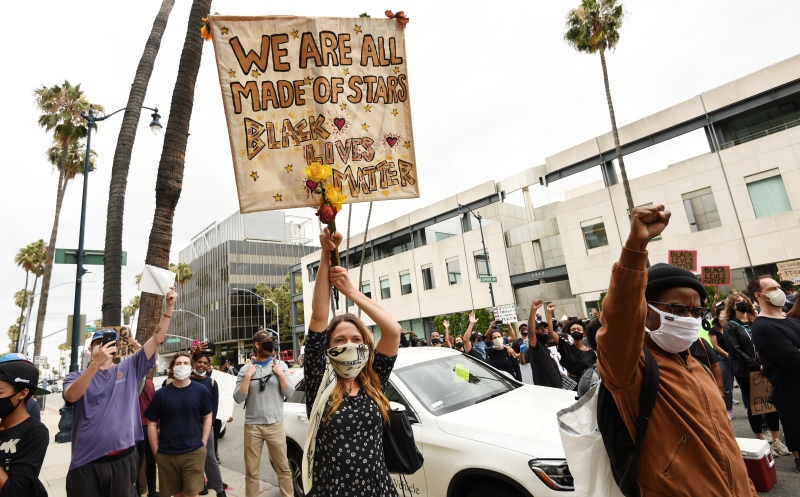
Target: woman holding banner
x=739, y=316
x=345, y=376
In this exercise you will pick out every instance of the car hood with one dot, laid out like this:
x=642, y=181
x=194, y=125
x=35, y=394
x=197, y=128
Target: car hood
x=523, y=420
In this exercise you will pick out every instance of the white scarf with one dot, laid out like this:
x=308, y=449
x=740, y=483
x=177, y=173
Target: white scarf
x=346, y=361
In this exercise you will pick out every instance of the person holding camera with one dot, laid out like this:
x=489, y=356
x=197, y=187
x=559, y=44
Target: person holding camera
x=106, y=422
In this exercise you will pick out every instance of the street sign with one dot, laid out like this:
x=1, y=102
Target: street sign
x=488, y=279
x=90, y=257
x=40, y=359
x=90, y=329
x=173, y=340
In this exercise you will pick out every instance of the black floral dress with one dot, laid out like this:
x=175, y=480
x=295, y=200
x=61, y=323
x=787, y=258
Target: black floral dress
x=348, y=459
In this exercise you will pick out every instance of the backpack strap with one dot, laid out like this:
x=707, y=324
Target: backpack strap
x=647, y=397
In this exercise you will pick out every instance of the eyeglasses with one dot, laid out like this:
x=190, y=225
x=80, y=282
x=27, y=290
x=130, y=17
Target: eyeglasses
x=683, y=311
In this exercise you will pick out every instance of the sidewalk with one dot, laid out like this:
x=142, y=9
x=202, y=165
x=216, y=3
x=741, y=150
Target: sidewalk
x=56, y=465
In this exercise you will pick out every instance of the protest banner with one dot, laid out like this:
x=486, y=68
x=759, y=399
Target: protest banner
x=686, y=259
x=125, y=344
x=715, y=275
x=303, y=90
x=505, y=313
x=760, y=390
x=226, y=383
x=790, y=270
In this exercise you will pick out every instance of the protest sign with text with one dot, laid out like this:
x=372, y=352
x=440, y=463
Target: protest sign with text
x=686, y=259
x=790, y=270
x=303, y=90
x=715, y=275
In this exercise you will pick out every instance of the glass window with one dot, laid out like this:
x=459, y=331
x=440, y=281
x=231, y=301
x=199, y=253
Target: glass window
x=768, y=196
x=594, y=234
x=701, y=210
x=366, y=289
x=385, y=290
x=454, y=271
x=405, y=283
x=482, y=264
x=427, y=278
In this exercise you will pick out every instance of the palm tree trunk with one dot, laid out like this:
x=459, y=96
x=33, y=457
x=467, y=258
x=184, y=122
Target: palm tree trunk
x=617, y=147
x=22, y=310
x=363, y=251
x=170, y=167
x=112, y=270
x=51, y=252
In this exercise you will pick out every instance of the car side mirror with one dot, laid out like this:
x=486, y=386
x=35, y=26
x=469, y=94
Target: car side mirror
x=411, y=415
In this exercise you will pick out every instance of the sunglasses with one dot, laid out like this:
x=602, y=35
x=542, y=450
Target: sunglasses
x=683, y=311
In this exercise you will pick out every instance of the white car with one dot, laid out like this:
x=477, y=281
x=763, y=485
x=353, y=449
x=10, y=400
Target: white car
x=480, y=432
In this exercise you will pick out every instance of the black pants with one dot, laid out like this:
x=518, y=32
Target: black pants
x=115, y=478
x=789, y=413
x=217, y=425
x=146, y=457
x=772, y=418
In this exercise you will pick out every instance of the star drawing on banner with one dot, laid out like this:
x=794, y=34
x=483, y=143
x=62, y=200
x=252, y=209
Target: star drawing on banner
x=255, y=73
x=368, y=108
x=232, y=73
x=254, y=175
x=407, y=144
x=278, y=197
x=358, y=29
x=396, y=70
x=365, y=126
x=224, y=30
x=394, y=112
x=346, y=72
x=307, y=79
x=288, y=168
x=343, y=106
x=295, y=33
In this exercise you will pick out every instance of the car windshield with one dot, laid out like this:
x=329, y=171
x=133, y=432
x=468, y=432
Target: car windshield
x=450, y=383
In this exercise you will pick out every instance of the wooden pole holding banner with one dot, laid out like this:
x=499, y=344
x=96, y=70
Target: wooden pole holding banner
x=363, y=251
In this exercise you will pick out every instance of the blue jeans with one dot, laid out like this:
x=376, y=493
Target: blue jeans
x=727, y=382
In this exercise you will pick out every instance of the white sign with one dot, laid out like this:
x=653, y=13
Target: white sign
x=505, y=313
x=156, y=280
x=226, y=384
x=40, y=359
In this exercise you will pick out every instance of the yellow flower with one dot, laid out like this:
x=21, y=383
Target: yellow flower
x=335, y=198
x=205, y=34
x=317, y=172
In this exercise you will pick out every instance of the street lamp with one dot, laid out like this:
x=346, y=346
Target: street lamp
x=277, y=312
x=91, y=119
x=205, y=338
x=483, y=242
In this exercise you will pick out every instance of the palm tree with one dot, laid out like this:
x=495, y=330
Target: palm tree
x=21, y=298
x=112, y=262
x=183, y=272
x=13, y=334
x=31, y=258
x=138, y=278
x=170, y=167
x=60, y=107
x=594, y=27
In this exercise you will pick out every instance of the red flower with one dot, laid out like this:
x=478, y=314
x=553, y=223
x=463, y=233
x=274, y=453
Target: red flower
x=326, y=213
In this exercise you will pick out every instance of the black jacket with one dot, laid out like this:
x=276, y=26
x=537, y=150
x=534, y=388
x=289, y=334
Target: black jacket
x=742, y=354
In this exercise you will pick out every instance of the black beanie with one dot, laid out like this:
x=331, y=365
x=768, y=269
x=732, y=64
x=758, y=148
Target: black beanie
x=661, y=277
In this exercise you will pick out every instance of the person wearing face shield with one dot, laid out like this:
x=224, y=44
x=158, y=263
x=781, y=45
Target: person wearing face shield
x=777, y=341
x=575, y=357
x=689, y=447
x=261, y=385
x=106, y=421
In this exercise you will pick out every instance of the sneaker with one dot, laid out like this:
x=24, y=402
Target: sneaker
x=222, y=494
x=768, y=436
x=796, y=465
x=205, y=490
x=780, y=448
x=225, y=485
x=736, y=401
x=730, y=415
x=773, y=451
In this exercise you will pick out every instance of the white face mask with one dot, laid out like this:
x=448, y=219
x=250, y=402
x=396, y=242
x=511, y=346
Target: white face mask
x=497, y=343
x=348, y=360
x=675, y=334
x=181, y=372
x=198, y=373
x=776, y=297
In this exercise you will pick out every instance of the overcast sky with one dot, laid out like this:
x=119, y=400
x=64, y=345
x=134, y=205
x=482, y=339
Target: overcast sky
x=493, y=90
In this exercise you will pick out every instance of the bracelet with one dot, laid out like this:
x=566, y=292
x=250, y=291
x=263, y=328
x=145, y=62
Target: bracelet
x=168, y=316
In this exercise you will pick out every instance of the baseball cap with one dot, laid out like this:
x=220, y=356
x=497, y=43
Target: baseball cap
x=476, y=335
x=541, y=324
x=787, y=285
x=98, y=333
x=263, y=335
x=23, y=374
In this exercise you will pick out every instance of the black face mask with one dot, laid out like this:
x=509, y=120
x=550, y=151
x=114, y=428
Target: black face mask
x=459, y=345
x=7, y=406
x=414, y=341
x=544, y=338
x=268, y=347
x=577, y=335
x=435, y=341
x=744, y=307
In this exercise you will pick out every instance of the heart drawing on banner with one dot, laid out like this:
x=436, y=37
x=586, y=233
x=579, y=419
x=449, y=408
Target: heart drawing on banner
x=391, y=140
x=339, y=123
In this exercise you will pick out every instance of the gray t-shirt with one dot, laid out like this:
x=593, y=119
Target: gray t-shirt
x=262, y=407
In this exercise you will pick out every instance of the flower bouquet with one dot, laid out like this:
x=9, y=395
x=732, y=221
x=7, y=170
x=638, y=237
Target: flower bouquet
x=318, y=182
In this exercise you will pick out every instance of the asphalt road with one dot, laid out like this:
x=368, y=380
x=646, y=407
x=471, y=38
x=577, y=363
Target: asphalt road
x=232, y=456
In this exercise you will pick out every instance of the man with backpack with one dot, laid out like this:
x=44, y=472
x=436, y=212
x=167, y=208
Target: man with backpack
x=687, y=449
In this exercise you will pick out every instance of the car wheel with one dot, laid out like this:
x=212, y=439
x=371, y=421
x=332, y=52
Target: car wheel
x=295, y=457
x=222, y=431
x=496, y=488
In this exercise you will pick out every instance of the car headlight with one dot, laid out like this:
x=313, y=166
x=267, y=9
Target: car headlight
x=554, y=473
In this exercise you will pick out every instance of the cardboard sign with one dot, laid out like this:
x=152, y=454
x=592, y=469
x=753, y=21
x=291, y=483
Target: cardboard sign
x=715, y=275
x=303, y=90
x=226, y=384
x=790, y=270
x=125, y=344
x=505, y=313
x=686, y=259
x=760, y=390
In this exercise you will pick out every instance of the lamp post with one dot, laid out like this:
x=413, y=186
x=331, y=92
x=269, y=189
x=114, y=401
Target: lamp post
x=91, y=119
x=205, y=338
x=483, y=242
x=277, y=311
